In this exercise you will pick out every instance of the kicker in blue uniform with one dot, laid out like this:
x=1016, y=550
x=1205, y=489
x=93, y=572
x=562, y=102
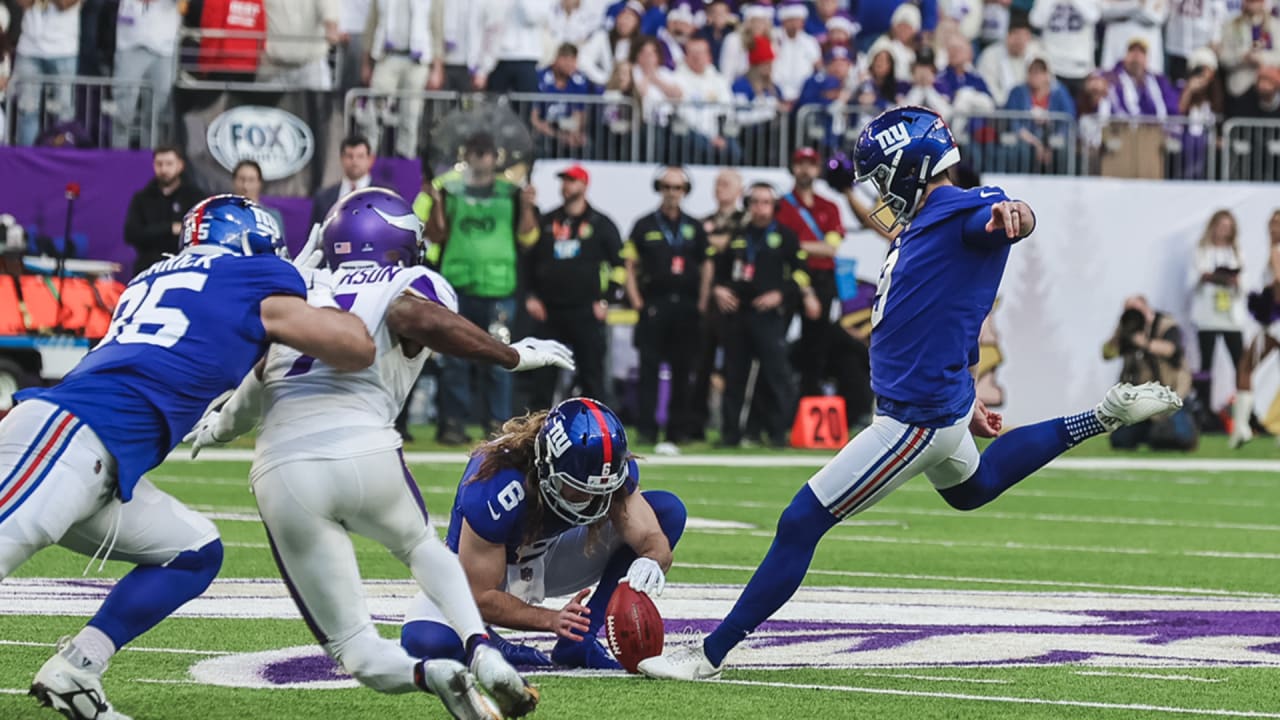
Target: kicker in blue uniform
x=938, y=282
x=549, y=508
x=72, y=457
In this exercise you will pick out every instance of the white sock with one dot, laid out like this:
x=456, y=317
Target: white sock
x=440, y=575
x=1242, y=411
x=95, y=645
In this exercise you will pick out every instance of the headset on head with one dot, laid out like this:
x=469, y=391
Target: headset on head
x=657, y=178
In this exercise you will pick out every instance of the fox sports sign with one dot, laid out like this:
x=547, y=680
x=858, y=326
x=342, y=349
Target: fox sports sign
x=279, y=141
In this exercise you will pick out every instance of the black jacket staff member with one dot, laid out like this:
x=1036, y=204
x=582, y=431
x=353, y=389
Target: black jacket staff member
x=577, y=259
x=749, y=282
x=663, y=254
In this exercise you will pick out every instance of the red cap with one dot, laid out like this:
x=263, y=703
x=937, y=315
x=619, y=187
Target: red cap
x=575, y=172
x=805, y=153
x=761, y=51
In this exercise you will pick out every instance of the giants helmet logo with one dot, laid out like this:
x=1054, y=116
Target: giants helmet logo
x=558, y=439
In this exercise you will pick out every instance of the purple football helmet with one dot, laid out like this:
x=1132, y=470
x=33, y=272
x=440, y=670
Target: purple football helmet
x=375, y=225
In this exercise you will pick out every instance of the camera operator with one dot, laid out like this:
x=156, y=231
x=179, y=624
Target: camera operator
x=1151, y=348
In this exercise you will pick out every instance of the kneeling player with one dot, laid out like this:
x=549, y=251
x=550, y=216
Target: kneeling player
x=545, y=509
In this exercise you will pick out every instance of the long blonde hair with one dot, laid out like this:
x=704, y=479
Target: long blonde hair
x=514, y=449
x=1206, y=238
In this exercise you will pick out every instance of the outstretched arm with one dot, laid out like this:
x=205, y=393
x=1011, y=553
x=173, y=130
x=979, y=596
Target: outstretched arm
x=336, y=338
x=432, y=325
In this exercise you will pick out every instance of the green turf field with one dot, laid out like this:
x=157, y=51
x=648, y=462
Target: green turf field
x=1136, y=586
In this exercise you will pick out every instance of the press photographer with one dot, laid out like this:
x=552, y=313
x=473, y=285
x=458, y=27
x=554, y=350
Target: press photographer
x=1151, y=347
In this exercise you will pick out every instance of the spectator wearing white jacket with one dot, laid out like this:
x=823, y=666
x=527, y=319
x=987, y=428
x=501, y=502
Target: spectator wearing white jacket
x=796, y=53
x=515, y=60
x=901, y=40
x=607, y=47
x=1248, y=43
x=48, y=45
x=1192, y=25
x=1004, y=65
x=705, y=97
x=402, y=58
x=1068, y=32
x=146, y=36
x=757, y=20
x=1129, y=19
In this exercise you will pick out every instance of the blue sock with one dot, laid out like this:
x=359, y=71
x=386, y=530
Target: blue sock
x=801, y=526
x=431, y=641
x=150, y=593
x=1018, y=453
x=671, y=518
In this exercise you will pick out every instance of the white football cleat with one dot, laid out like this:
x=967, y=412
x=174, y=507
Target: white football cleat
x=1127, y=404
x=515, y=697
x=450, y=681
x=72, y=684
x=1241, y=433
x=684, y=663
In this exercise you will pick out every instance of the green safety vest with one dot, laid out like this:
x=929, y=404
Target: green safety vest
x=480, y=255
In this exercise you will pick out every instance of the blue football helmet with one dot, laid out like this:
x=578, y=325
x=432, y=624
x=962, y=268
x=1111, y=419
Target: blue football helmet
x=582, y=447
x=233, y=222
x=900, y=151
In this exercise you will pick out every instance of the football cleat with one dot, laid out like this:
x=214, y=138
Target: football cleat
x=1127, y=404
x=684, y=663
x=72, y=684
x=450, y=681
x=515, y=697
x=587, y=654
x=518, y=653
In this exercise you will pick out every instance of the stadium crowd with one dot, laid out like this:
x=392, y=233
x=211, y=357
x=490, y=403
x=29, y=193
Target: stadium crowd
x=717, y=69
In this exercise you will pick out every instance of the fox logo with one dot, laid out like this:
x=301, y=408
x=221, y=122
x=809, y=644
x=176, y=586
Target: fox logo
x=893, y=138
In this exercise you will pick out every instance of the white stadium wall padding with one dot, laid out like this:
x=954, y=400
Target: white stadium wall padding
x=1097, y=240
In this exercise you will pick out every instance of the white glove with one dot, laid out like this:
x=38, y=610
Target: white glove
x=646, y=576
x=311, y=255
x=201, y=436
x=536, y=353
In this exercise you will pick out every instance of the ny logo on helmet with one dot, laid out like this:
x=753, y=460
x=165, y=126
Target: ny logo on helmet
x=558, y=438
x=893, y=138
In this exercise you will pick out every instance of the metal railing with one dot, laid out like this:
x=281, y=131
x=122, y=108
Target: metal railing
x=1171, y=148
x=1251, y=150
x=241, y=60
x=80, y=109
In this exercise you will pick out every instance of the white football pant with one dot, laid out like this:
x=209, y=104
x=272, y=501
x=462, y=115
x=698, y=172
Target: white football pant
x=888, y=453
x=57, y=486
x=308, y=507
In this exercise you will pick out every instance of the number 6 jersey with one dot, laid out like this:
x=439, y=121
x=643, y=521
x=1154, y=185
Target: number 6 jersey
x=312, y=411
x=184, y=331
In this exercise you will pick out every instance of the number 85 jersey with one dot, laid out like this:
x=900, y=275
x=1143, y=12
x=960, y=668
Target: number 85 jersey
x=311, y=410
x=184, y=331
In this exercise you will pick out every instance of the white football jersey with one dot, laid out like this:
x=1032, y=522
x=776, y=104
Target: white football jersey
x=314, y=411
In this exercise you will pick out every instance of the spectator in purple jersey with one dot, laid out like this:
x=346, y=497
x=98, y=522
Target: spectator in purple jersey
x=1138, y=92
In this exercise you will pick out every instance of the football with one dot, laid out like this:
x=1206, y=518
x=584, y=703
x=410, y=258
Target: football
x=633, y=626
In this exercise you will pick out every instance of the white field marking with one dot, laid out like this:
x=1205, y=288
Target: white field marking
x=252, y=545
x=198, y=479
x=1000, y=581
x=231, y=516
x=1010, y=700
x=1233, y=555
x=924, y=488
x=699, y=524
x=1086, y=519
x=13, y=691
x=979, y=681
x=798, y=460
x=132, y=648
x=1149, y=676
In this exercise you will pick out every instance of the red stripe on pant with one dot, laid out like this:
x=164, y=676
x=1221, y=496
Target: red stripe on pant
x=885, y=473
x=44, y=451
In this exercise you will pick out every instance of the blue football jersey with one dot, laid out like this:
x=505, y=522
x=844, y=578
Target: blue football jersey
x=186, y=330
x=937, y=285
x=497, y=510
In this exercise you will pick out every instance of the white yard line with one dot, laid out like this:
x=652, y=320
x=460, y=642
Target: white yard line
x=1008, y=700
x=128, y=648
x=1149, y=676
x=999, y=581
x=1213, y=465
x=13, y=691
x=1085, y=519
x=979, y=681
